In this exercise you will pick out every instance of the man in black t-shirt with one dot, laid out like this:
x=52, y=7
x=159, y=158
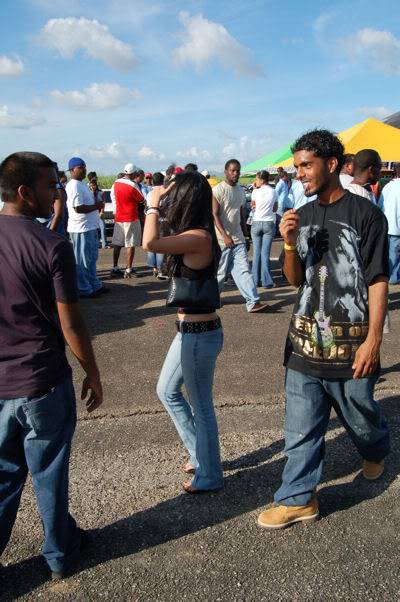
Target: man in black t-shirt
x=38, y=309
x=335, y=251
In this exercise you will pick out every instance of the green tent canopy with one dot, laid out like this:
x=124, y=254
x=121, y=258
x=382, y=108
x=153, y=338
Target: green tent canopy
x=271, y=159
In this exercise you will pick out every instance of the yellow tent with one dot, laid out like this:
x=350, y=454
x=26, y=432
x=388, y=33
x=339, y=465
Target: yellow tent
x=368, y=134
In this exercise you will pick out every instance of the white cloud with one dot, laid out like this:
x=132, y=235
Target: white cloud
x=379, y=112
x=292, y=41
x=134, y=11
x=320, y=23
x=20, y=120
x=147, y=153
x=204, y=41
x=10, y=66
x=380, y=48
x=69, y=35
x=194, y=153
x=109, y=151
x=246, y=148
x=96, y=97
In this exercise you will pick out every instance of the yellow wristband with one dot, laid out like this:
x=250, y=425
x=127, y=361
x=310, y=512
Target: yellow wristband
x=289, y=247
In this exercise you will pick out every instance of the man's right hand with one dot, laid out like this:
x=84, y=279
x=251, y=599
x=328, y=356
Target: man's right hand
x=228, y=241
x=95, y=399
x=289, y=226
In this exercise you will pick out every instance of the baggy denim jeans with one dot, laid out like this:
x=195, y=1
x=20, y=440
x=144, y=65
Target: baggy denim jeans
x=308, y=406
x=86, y=252
x=191, y=361
x=262, y=235
x=234, y=260
x=35, y=436
x=394, y=259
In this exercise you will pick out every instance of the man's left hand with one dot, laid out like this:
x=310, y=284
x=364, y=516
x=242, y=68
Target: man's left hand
x=366, y=359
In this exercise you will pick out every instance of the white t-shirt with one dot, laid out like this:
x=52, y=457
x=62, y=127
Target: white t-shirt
x=361, y=191
x=230, y=199
x=345, y=179
x=79, y=194
x=264, y=198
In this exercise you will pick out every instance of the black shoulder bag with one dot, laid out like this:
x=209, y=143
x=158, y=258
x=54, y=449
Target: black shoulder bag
x=183, y=292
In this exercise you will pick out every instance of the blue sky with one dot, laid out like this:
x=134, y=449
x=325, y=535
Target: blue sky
x=152, y=82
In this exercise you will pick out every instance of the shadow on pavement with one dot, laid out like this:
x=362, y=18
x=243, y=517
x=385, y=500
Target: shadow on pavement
x=125, y=306
x=245, y=491
x=394, y=301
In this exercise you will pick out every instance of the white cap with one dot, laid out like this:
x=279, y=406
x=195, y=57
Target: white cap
x=205, y=173
x=130, y=168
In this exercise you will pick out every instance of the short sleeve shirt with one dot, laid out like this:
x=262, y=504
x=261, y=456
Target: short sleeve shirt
x=79, y=194
x=230, y=200
x=127, y=198
x=37, y=269
x=343, y=247
x=264, y=199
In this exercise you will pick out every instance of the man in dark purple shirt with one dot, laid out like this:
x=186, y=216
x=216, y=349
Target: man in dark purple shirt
x=38, y=309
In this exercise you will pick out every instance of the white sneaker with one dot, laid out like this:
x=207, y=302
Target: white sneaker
x=128, y=273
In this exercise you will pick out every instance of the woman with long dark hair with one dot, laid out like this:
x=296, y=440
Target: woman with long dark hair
x=193, y=255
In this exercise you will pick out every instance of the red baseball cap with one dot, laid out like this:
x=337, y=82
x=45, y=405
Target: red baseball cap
x=148, y=175
x=178, y=170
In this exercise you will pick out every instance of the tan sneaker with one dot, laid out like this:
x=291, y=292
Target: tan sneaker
x=279, y=517
x=372, y=470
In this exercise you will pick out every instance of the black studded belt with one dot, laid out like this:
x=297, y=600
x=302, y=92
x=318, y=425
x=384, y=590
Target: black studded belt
x=196, y=327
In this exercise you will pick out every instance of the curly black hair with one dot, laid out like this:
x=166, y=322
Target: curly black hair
x=322, y=143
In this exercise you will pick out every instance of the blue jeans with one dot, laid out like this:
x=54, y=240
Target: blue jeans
x=103, y=237
x=86, y=252
x=191, y=361
x=234, y=260
x=262, y=235
x=394, y=259
x=155, y=260
x=35, y=436
x=308, y=406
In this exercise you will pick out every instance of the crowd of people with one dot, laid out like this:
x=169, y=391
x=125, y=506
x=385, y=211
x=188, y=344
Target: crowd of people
x=341, y=246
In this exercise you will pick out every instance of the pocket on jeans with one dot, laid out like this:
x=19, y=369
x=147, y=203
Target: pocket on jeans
x=49, y=413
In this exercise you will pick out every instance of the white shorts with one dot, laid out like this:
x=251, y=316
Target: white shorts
x=127, y=234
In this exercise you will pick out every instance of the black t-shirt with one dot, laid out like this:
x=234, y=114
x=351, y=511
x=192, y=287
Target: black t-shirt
x=343, y=247
x=37, y=267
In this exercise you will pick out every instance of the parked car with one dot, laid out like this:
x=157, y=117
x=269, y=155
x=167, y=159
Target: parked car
x=108, y=209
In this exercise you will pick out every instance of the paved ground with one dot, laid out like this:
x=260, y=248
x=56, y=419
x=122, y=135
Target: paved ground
x=149, y=541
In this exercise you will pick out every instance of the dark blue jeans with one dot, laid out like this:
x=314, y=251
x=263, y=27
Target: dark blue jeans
x=35, y=436
x=308, y=406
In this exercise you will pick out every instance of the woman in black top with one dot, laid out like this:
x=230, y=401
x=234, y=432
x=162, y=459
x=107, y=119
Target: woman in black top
x=193, y=253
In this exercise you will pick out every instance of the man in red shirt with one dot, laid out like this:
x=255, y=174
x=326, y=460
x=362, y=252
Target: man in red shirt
x=127, y=230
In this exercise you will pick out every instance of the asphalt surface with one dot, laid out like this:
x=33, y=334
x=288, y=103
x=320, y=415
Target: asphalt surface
x=149, y=541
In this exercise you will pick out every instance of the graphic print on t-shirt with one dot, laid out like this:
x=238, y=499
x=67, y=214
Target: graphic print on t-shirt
x=322, y=333
x=342, y=247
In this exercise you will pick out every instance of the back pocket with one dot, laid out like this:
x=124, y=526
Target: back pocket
x=50, y=413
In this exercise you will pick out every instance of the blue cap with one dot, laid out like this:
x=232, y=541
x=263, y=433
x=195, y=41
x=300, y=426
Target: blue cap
x=75, y=162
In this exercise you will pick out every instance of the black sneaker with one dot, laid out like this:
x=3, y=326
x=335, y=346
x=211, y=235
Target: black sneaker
x=68, y=572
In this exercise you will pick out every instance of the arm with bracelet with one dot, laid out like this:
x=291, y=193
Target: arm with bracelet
x=289, y=230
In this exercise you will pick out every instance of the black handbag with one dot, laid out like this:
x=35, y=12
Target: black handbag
x=183, y=292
